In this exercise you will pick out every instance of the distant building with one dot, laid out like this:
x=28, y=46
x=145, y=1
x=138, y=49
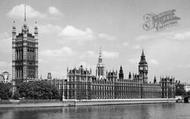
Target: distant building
x=24, y=54
x=49, y=77
x=78, y=83
x=4, y=77
x=168, y=87
x=187, y=87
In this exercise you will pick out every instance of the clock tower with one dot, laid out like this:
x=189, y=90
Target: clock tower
x=143, y=68
x=100, y=67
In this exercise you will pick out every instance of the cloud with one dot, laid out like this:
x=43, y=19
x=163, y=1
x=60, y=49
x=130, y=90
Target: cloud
x=5, y=51
x=177, y=35
x=87, y=65
x=4, y=35
x=64, y=51
x=143, y=37
x=133, y=61
x=88, y=54
x=5, y=43
x=157, y=36
x=153, y=62
x=105, y=54
x=72, y=33
x=49, y=29
x=18, y=12
x=182, y=36
x=186, y=66
x=4, y=64
x=54, y=11
x=137, y=47
x=136, y=61
x=106, y=37
x=108, y=54
x=125, y=44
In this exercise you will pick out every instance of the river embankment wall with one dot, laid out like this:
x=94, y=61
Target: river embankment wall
x=72, y=102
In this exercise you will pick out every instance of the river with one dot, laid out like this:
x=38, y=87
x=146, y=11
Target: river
x=133, y=111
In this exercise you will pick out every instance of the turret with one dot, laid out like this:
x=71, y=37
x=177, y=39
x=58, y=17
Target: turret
x=49, y=77
x=130, y=76
x=36, y=29
x=13, y=31
x=36, y=46
x=13, y=58
x=121, y=75
x=25, y=29
x=154, y=79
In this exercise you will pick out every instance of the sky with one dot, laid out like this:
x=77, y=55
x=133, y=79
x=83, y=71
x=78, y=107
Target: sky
x=71, y=33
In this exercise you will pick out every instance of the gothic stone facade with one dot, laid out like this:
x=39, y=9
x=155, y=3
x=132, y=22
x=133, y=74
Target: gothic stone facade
x=24, y=55
x=168, y=87
x=78, y=85
x=81, y=84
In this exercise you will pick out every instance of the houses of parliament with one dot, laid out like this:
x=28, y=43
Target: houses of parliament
x=80, y=82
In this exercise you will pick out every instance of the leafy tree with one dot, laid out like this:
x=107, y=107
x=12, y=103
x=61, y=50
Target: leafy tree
x=38, y=90
x=180, y=89
x=16, y=95
x=5, y=92
x=188, y=93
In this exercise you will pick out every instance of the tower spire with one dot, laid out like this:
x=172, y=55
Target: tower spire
x=142, y=52
x=143, y=59
x=121, y=75
x=100, y=52
x=100, y=56
x=24, y=10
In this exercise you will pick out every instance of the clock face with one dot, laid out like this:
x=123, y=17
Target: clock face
x=143, y=68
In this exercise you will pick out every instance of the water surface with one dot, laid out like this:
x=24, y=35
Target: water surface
x=135, y=111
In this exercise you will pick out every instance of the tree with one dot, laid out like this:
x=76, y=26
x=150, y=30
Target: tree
x=16, y=95
x=38, y=90
x=5, y=92
x=188, y=93
x=180, y=89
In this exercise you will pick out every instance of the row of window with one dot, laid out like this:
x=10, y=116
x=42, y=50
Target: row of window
x=100, y=87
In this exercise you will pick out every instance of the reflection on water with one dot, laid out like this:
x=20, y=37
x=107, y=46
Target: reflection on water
x=140, y=111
